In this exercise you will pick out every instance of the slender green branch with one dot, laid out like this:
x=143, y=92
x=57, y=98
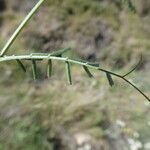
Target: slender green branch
x=55, y=56
x=63, y=59
x=19, y=29
x=135, y=87
x=136, y=66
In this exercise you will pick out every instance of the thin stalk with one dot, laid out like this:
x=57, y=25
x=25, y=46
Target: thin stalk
x=136, y=66
x=135, y=87
x=20, y=27
x=63, y=59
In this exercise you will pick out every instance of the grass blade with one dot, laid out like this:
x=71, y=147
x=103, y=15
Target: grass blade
x=110, y=80
x=49, y=68
x=88, y=71
x=34, y=69
x=68, y=73
x=21, y=65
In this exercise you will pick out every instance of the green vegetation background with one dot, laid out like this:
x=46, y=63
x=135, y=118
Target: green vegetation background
x=102, y=31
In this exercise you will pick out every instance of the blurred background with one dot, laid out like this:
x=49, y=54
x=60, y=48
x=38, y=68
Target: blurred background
x=88, y=115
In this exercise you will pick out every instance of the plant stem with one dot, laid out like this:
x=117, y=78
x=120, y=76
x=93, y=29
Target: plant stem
x=48, y=57
x=19, y=29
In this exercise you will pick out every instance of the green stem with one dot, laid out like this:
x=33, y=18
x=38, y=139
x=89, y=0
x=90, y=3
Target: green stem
x=39, y=57
x=19, y=29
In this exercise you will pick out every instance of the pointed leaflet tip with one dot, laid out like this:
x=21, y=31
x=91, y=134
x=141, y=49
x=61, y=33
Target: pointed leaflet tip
x=21, y=65
x=68, y=73
x=110, y=80
x=87, y=71
x=136, y=66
